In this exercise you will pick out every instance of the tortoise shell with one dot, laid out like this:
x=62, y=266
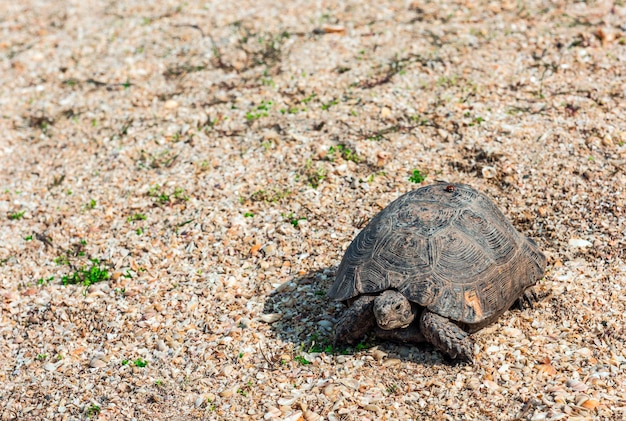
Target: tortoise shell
x=445, y=247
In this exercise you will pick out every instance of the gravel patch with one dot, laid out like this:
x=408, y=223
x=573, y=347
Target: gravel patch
x=179, y=182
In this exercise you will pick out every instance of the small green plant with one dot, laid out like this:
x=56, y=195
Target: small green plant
x=154, y=191
x=139, y=231
x=125, y=362
x=16, y=216
x=291, y=110
x=361, y=346
x=42, y=357
x=329, y=104
x=270, y=195
x=87, y=276
x=448, y=81
x=159, y=383
x=417, y=177
x=308, y=99
x=248, y=215
x=344, y=152
x=312, y=176
x=392, y=389
x=28, y=238
x=42, y=281
x=261, y=110
x=91, y=205
x=139, y=362
x=318, y=344
x=93, y=410
x=210, y=404
x=302, y=360
x=136, y=217
x=179, y=194
x=293, y=219
x=162, y=197
x=61, y=260
x=419, y=120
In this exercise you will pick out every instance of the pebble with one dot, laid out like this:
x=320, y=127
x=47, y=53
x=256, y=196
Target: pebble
x=294, y=416
x=579, y=243
x=287, y=401
x=170, y=104
x=378, y=354
x=97, y=362
x=489, y=172
x=273, y=413
x=51, y=366
x=350, y=383
x=271, y=317
x=326, y=324
x=513, y=332
x=576, y=385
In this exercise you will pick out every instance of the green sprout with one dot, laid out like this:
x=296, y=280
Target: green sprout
x=261, y=110
x=136, y=217
x=302, y=360
x=327, y=106
x=87, y=276
x=179, y=194
x=293, y=219
x=93, y=410
x=140, y=362
x=42, y=281
x=417, y=177
x=15, y=216
x=344, y=152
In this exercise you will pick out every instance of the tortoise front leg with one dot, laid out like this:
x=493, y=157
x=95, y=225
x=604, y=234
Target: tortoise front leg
x=446, y=336
x=357, y=321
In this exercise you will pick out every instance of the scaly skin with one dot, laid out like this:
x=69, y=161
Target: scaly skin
x=446, y=336
x=357, y=321
x=393, y=310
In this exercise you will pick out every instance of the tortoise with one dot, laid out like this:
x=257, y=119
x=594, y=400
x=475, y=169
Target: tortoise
x=436, y=265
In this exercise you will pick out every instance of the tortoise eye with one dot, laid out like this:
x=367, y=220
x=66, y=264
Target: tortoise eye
x=450, y=188
x=398, y=306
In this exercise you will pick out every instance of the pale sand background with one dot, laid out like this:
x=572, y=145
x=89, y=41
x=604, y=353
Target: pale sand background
x=214, y=120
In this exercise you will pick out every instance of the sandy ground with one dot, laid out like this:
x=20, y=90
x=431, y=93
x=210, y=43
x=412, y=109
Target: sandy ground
x=179, y=181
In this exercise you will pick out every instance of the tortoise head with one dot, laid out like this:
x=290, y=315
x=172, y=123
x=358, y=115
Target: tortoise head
x=393, y=310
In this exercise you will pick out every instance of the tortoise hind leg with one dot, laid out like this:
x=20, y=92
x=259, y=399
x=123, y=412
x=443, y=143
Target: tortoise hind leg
x=357, y=321
x=446, y=336
x=527, y=300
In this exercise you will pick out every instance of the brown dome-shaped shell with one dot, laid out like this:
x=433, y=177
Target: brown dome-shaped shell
x=445, y=247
